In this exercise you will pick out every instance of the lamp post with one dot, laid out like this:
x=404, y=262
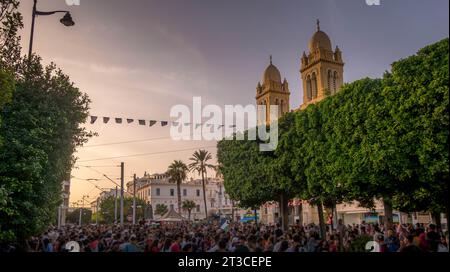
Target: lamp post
x=66, y=20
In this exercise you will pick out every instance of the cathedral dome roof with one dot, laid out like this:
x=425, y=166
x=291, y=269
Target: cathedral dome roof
x=320, y=39
x=271, y=74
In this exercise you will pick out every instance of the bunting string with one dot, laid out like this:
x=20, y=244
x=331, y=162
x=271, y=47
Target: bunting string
x=152, y=123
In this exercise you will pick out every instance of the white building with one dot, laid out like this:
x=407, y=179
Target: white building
x=156, y=189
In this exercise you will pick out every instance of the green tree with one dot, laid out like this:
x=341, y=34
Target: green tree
x=189, y=205
x=177, y=174
x=246, y=172
x=200, y=164
x=10, y=24
x=161, y=209
x=107, y=210
x=417, y=96
x=74, y=216
x=41, y=131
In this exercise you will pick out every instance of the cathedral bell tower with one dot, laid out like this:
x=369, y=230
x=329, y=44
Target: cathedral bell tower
x=322, y=69
x=273, y=91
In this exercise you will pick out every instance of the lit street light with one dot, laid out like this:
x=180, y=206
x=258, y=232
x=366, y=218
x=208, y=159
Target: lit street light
x=66, y=20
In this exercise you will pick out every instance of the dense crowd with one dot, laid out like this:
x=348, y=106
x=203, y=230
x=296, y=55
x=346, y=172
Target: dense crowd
x=240, y=237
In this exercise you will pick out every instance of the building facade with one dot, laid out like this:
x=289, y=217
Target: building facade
x=157, y=190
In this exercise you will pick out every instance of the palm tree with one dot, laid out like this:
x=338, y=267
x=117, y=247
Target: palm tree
x=189, y=205
x=161, y=209
x=177, y=174
x=200, y=164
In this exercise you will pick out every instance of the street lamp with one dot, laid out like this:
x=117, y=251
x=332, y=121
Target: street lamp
x=66, y=20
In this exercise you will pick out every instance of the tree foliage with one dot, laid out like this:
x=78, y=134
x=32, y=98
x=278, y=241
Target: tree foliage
x=177, y=174
x=73, y=217
x=189, y=205
x=375, y=139
x=161, y=209
x=107, y=210
x=10, y=24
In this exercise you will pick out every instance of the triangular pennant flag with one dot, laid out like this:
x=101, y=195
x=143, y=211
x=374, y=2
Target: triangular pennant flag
x=93, y=119
x=187, y=124
x=129, y=121
x=220, y=126
x=198, y=125
x=153, y=122
x=233, y=126
x=119, y=120
x=164, y=123
x=175, y=124
x=209, y=125
x=142, y=122
x=106, y=120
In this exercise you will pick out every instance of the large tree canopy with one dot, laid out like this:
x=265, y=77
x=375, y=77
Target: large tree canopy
x=375, y=139
x=40, y=129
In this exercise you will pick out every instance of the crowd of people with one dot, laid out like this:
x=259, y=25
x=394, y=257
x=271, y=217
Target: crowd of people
x=240, y=237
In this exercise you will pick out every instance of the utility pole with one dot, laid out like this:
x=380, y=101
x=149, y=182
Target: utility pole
x=122, y=170
x=97, y=213
x=220, y=201
x=81, y=210
x=115, y=205
x=134, y=199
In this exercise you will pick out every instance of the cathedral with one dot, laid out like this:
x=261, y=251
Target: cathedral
x=321, y=72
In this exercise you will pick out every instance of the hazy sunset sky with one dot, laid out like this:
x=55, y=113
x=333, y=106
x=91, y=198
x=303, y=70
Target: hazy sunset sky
x=138, y=58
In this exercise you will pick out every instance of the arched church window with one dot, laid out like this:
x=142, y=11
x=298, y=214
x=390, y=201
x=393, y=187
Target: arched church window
x=314, y=85
x=335, y=76
x=329, y=79
x=308, y=88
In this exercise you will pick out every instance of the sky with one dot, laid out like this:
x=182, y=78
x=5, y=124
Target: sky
x=139, y=58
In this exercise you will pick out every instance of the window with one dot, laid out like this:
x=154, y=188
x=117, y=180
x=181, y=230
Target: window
x=158, y=191
x=330, y=76
x=198, y=208
x=172, y=192
x=184, y=192
x=314, y=85
x=334, y=81
x=308, y=88
x=198, y=192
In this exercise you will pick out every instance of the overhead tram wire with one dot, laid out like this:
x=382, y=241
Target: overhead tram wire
x=140, y=141
x=147, y=154
x=106, y=177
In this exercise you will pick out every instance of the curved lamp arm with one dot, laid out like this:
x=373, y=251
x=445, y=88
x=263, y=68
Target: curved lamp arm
x=45, y=13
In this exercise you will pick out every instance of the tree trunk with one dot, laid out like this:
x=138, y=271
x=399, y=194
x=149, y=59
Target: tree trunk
x=204, y=194
x=437, y=219
x=300, y=214
x=232, y=211
x=321, y=221
x=179, y=196
x=189, y=215
x=284, y=203
x=447, y=214
x=388, y=217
